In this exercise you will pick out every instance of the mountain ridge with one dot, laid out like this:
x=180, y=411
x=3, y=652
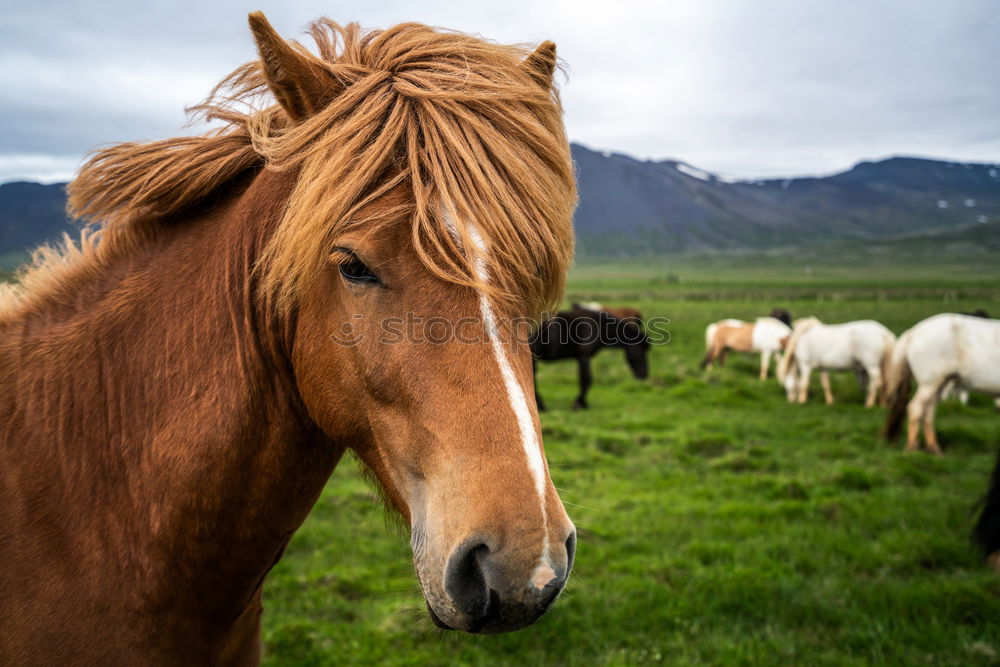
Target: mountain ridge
x=670, y=205
x=630, y=206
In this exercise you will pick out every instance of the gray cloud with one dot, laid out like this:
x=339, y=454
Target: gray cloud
x=749, y=88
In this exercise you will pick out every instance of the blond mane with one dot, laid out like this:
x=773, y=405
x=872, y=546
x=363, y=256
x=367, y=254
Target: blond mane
x=459, y=122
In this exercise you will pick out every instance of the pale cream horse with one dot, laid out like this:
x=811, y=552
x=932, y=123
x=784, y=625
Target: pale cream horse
x=946, y=349
x=763, y=335
x=814, y=345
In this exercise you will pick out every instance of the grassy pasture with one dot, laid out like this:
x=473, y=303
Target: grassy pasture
x=717, y=523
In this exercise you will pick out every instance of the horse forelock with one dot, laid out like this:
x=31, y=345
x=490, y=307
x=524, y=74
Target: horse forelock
x=456, y=122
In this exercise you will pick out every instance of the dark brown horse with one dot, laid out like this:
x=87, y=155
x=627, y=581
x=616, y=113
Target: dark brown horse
x=580, y=333
x=986, y=532
x=175, y=396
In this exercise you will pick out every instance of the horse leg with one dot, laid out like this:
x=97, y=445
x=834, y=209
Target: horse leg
x=765, y=363
x=915, y=414
x=710, y=354
x=824, y=378
x=948, y=390
x=930, y=436
x=861, y=375
x=993, y=560
x=534, y=381
x=804, y=383
x=581, y=401
x=874, y=387
x=715, y=353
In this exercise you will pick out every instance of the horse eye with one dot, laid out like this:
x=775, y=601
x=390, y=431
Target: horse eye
x=355, y=271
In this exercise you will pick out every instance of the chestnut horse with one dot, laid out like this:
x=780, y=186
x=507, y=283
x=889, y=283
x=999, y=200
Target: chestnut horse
x=178, y=386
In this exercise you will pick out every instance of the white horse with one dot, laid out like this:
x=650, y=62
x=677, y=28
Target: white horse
x=764, y=335
x=834, y=347
x=941, y=350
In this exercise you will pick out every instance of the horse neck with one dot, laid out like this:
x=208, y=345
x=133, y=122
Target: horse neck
x=157, y=405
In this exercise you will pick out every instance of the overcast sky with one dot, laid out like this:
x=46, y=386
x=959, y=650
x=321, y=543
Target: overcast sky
x=739, y=87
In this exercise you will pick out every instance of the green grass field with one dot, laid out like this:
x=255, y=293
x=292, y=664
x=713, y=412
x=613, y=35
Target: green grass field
x=717, y=523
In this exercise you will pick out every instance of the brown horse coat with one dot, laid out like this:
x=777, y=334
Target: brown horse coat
x=140, y=512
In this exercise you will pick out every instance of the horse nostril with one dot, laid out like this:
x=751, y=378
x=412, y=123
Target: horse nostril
x=570, y=552
x=465, y=582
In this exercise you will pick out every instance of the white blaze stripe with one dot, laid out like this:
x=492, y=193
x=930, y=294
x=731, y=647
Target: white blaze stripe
x=518, y=401
x=515, y=393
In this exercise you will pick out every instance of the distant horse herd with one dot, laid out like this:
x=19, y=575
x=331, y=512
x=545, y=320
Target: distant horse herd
x=946, y=354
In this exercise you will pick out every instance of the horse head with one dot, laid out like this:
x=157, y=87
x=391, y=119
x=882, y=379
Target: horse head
x=637, y=345
x=629, y=334
x=432, y=211
x=782, y=315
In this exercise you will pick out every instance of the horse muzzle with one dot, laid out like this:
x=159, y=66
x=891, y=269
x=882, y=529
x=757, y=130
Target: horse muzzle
x=482, y=593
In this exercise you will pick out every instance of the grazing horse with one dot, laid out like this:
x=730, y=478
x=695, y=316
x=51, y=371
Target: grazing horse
x=178, y=387
x=946, y=349
x=580, y=333
x=839, y=347
x=764, y=336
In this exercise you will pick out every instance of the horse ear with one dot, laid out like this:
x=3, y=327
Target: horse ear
x=300, y=84
x=541, y=64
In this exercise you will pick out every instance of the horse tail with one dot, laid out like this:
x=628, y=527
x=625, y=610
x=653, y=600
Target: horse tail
x=986, y=532
x=898, y=379
x=710, y=332
x=788, y=358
